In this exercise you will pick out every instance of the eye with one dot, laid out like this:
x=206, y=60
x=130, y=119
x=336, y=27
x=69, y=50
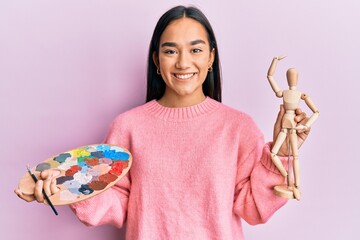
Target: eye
x=196, y=50
x=169, y=51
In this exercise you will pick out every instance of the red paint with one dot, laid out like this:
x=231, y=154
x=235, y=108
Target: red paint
x=118, y=167
x=73, y=169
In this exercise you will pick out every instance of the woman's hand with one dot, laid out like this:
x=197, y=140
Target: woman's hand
x=46, y=181
x=301, y=130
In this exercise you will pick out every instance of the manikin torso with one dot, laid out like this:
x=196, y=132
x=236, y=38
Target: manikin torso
x=291, y=99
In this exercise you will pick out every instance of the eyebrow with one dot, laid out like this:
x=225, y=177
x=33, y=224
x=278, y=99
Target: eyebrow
x=172, y=44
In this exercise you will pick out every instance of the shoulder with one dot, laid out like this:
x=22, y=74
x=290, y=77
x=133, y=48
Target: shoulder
x=132, y=115
x=235, y=115
x=123, y=124
x=241, y=122
x=129, y=120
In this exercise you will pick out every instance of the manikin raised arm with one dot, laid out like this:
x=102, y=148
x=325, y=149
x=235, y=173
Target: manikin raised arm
x=278, y=92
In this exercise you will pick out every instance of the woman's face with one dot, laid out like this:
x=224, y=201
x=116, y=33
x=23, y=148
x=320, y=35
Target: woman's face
x=184, y=59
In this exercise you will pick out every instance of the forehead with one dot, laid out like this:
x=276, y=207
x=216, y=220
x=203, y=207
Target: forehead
x=184, y=30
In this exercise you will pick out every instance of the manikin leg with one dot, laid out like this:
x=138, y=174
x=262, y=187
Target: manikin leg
x=276, y=160
x=296, y=168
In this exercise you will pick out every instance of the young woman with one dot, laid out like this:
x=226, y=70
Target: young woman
x=199, y=167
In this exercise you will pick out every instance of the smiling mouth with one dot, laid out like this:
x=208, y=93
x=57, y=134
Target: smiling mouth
x=184, y=76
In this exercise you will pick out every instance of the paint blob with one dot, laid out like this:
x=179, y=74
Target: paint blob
x=62, y=179
x=42, y=166
x=117, y=168
x=85, y=189
x=62, y=157
x=92, y=161
x=98, y=185
x=107, y=178
x=82, y=178
x=72, y=171
x=103, y=168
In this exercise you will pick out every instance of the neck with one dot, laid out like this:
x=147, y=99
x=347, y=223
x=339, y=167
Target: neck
x=176, y=101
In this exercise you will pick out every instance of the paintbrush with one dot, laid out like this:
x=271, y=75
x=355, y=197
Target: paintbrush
x=45, y=195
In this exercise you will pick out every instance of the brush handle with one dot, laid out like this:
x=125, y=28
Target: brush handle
x=49, y=202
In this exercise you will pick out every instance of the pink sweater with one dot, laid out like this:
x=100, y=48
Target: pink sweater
x=196, y=172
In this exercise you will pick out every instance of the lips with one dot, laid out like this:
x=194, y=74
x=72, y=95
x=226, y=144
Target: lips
x=184, y=76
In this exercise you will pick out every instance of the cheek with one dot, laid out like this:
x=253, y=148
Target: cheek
x=166, y=62
x=203, y=62
x=203, y=67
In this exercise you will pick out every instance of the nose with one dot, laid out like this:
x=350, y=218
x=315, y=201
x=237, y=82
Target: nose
x=183, y=61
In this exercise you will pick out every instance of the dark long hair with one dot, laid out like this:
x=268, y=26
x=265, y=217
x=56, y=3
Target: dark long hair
x=155, y=83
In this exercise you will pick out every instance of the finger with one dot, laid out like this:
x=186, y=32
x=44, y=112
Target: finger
x=303, y=122
x=300, y=130
x=300, y=117
x=307, y=131
x=302, y=136
x=54, y=189
x=38, y=191
x=298, y=111
x=45, y=174
x=49, y=173
x=46, y=186
x=27, y=198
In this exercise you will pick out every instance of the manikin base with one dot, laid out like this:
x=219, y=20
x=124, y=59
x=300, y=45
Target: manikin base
x=284, y=191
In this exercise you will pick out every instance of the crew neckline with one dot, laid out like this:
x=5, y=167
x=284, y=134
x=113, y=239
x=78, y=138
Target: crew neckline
x=178, y=114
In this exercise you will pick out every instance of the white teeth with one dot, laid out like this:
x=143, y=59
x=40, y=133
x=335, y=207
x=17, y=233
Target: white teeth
x=184, y=76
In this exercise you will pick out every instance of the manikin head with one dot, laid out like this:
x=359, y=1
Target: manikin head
x=292, y=77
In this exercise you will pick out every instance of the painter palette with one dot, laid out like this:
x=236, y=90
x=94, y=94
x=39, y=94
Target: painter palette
x=82, y=172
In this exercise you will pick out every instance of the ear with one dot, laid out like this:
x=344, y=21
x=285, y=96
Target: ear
x=155, y=59
x=212, y=56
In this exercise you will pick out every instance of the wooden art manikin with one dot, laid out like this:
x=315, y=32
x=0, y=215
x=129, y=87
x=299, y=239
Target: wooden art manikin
x=291, y=99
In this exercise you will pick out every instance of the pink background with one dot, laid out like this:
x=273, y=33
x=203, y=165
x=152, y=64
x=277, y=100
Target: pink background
x=67, y=68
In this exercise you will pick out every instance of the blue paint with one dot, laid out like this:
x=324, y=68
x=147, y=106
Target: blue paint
x=85, y=189
x=116, y=148
x=74, y=191
x=62, y=157
x=83, y=164
x=102, y=147
x=114, y=155
x=72, y=184
x=85, y=168
x=122, y=156
x=98, y=154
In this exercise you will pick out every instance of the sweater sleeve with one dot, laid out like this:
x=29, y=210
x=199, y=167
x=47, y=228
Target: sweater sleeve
x=109, y=207
x=254, y=199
